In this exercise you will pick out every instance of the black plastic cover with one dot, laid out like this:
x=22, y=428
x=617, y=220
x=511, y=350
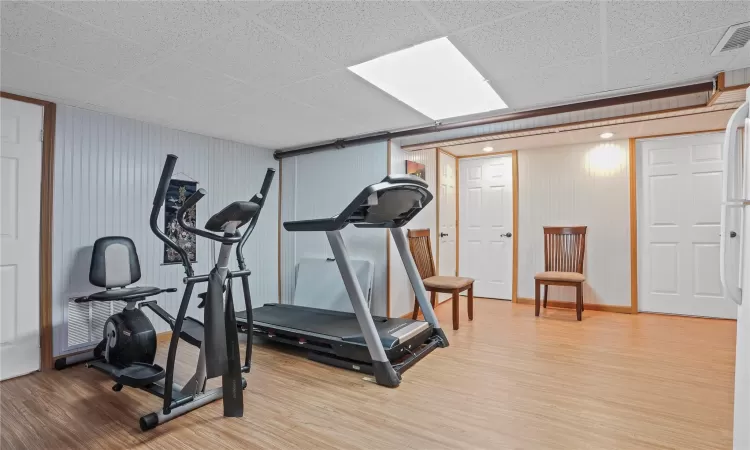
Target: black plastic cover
x=397, y=200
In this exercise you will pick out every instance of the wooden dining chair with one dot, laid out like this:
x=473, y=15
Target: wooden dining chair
x=421, y=251
x=564, y=250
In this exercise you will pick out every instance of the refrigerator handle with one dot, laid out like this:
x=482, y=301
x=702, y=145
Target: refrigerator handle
x=732, y=203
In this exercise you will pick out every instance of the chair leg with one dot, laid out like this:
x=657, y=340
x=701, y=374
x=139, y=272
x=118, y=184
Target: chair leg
x=433, y=299
x=455, y=309
x=536, y=297
x=416, y=309
x=579, y=301
x=545, y=295
x=582, y=308
x=471, y=302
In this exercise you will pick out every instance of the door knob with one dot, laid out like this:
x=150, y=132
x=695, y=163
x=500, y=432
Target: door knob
x=443, y=234
x=732, y=234
x=508, y=234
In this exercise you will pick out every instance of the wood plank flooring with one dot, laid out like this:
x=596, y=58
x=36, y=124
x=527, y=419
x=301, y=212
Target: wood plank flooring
x=508, y=381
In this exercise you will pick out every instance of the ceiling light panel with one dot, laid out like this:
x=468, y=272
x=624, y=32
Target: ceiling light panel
x=434, y=78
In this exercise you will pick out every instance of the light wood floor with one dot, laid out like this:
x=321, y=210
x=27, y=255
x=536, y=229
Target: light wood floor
x=508, y=381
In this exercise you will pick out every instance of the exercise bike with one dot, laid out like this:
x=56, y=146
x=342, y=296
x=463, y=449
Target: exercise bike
x=128, y=349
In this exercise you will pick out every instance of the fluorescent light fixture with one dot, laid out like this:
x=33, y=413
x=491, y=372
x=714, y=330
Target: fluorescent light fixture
x=434, y=78
x=606, y=135
x=488, y=149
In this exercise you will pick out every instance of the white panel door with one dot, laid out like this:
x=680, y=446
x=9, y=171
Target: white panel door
x=486, y=225
x=20, y=194
x=447, y=219
x=681, y=182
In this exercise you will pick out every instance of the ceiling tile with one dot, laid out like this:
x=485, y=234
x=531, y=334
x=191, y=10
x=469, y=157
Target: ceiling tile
x=352, y=32
x=741, y=59
x=189, y=82
x=43, y=34
x=275, y=121
x=351, y=98
x=164, y=26
x=251, y=53
x=134, y=102
x=635, y=23
x=21, y=73
x=549, y=36
x=456, y=15
x=669, y=61
x=553, y=84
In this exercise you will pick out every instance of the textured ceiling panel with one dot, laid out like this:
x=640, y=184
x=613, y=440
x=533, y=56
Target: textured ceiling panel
x=27, y=75
x=549, y=36
x=668, y=61
x=742, y=60
x=352, y=32
x=159, y=25
x=249, y=52
x=136, y=103
x=191, y=83
x=452, y=15
x=634, y=23
x=553, y=84
x=350, y=98
x=276, y=121
x=37, y=32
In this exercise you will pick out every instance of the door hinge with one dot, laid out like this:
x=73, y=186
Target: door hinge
x=41, y=135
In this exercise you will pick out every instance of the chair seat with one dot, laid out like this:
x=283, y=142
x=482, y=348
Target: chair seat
x=443, y=282
x=573, y=277
x=125, y=293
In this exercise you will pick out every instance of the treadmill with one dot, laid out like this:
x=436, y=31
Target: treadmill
x=378, y=346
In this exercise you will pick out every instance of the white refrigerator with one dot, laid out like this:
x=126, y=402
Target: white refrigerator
x=735, y=258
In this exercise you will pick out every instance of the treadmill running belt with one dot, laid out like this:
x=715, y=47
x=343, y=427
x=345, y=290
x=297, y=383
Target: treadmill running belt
x=333, y=324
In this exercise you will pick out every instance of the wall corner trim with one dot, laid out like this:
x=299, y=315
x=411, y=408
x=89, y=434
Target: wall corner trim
x=632, y=167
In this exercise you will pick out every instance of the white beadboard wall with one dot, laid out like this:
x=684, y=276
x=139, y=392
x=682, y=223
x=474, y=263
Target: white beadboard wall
x=737, y=77
x=583, y=184
x=402, y=294
x=556, y=119
x=106, y=170
x=322, y=185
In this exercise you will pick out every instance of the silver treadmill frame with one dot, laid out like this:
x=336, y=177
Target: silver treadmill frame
x=384, y=372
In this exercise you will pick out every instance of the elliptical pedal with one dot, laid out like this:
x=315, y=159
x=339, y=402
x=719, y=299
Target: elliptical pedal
x=136, y=375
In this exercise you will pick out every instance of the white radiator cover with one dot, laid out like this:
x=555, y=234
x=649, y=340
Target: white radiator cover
x=86, y=321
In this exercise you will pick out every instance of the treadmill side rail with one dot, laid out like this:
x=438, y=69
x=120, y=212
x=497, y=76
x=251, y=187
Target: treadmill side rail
x=399, y=237
x=383, y=371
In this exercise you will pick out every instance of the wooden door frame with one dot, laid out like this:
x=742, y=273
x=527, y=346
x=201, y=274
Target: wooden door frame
x=45, y=230
x=634, y=173
x=438, y=168
x=514, y=161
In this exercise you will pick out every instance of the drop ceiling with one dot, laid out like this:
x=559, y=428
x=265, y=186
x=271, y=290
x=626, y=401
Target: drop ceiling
x=274, y=74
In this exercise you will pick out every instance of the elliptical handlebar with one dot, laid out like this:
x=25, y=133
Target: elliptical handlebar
x=159, y=199
x=189, y=203
x=259, y=199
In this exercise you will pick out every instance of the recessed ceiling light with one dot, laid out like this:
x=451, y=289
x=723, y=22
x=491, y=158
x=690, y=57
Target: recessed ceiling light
x=606, y=135
x=488, y=149
x=434, y=78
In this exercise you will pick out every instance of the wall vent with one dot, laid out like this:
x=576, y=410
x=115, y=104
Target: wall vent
x=736, y=37
x=86, y=321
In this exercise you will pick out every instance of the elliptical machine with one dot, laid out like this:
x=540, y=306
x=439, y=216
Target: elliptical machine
x=129, y=346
